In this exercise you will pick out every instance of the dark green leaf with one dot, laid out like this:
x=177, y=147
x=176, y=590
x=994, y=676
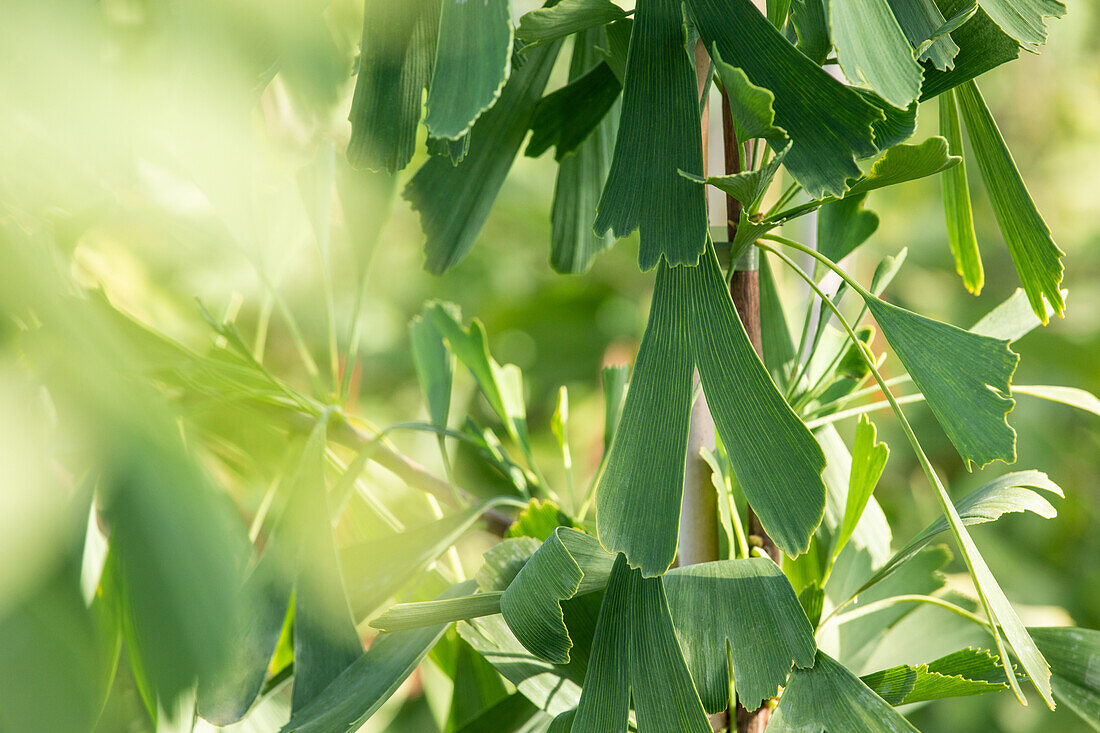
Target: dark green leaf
x=921, y=20
x=477, y=687
x=811, y=29
x=565, y=18
x=567, y=117
x=982, y=46
x=844, y=225
x=872, y=49
x=750, y=105
x=775, y=334
x=614, y=379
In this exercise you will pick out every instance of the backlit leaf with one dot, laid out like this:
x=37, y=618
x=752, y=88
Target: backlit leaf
x=903, y=163
x=960, y=674
x=982, y=46
x=956, y=201
x=868, y=461
x=1071, y=396
x=921, y=20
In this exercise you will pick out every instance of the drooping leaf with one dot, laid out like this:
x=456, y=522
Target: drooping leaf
x=454, y=201
x=398, y=46
x=750, y=105
x=965, y=378
x=568, y=564
x=1073, y=653
x=716, y=603
x=828, y=697
x=635, y=653
x=982, y=46
x=582, y=174
x=960, y=674
x=644, y=189
x=1024, y=20
x=844, y=225
x=1071, y=396
x=1036, y=256
x=873, y=50
x=617, y=47
x=896, y=126
x=922, y=20
x=473, y=58
x=1013, y=492
x=956, y=201
x=829, y=124
x=747, y=187
x=868, y=461
x=371, y=679
x=565, y=18
x=503, y=562
x=565, y=118
x=906, y=163
x=453, y=150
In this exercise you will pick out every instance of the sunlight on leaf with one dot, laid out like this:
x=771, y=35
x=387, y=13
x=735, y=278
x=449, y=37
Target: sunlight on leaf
x=960, y=674
x=956, y=201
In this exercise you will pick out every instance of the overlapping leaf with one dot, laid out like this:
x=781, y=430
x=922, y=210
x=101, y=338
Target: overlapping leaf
x=644, y=189
x=982, y=46
x=1073, y=655
x=565, y=18
x=921, y=20
x=956, y=201
x=872, y=49
x=1024, y=20
x=960, y=674
x=868, y=461
x=844, y=225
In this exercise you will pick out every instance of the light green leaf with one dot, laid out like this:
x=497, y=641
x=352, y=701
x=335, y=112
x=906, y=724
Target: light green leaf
x=777, y=12
x=644, y=189
x=1073, y=655
x=566, y=117
x=716, y=603
x=453, y=150
x=828, y=697
x=873, y=50
x=982, y=46
x=581, y=176
x=844, y=225
x=398, y=46
x=903, y=163
x=811, y=29
x=477, y=687
x=868, y=461
x=434, y=368
x=747, y=187
x=454, y=201
x=1013, y=492
x=1036, y=256
x=1011, y=320
x=568, y=564
x=965, y=377
x=922, y=21
x=567, y=17
x=361, y=689
x=1024, y=20
x=404, y=616
x=960, y=674
x=614, y=380
x=750, y=105
x=829, y=124
x=503, y=562
x=473, y=58
x=956, y=201
x=1071, y=396
x=538, y=520
x=634, y=652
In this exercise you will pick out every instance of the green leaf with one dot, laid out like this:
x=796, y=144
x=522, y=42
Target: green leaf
x=644, y=189
x=750, y=105
x=511, y=713
x=617, y=47
x=844, y=225
x=538, y=520
x=568, y=564
x=747, y=187
x=404, y=616
x=1036, y=256
x=635, y=652
x=960, y=674
x=1071, y=396
x=903, y=163
x=398, y=46
x=965, y=377
x=829, y=124
x=716, y=603
x=503, y=562
x=473, y=58
x=1011, y=320
x=454, y=201
x=1024, y=20
x=1073, y=655
x=567, y=17
x=581, y=176
x=872, y=49
x=828, y=697
x=868, y=461
x=477, y=687
x=692, y=321
x=956, y=201
x=567, y=117
x=921, y=21
x=614, y=379
x=777, y=12
x=1013, y=492
x=363, y=687
x=811, y=29
x=775, y=334
x=982, y=46
x=896, y=126
x=453, y=150
x=434, y=368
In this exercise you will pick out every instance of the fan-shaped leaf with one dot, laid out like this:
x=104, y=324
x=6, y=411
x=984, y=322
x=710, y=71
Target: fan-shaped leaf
x=565, y=18
x=960, y=674
x=844, y=225
x=982, y=46
x=1024, y=20
x=872, y=49
x=868, y=461
x=922, y=22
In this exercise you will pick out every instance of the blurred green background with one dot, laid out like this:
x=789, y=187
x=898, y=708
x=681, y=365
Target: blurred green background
x=165, y=145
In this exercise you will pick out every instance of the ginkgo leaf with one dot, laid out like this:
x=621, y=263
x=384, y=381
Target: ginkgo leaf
x=568, y=564
x=903, y=163
x=644, y=190
x=565, y=118
x=434, y=368
x=872, y=49
x=811, y=29
x=1011, y=319
x=896, y=126
x=965, y=378
x=750, y=105
x=398, y=47
x=635, y=654
x=1072, y=396
x=357, y=693
x=868, y=461
x=775, y=333
x=960, y=674
x=844, y=225
x=956, y=201
x=1037, y=258
x=921, y=20
x=715, y=603
x=829, y=124
x=614, y=380
x=747, y=187
x=454, y=200
x=473, y=58
x=565, y=18
x=828, y=697
x=982, y=46
x=1024, y=20
x=418, y=614
x=1073, y=653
